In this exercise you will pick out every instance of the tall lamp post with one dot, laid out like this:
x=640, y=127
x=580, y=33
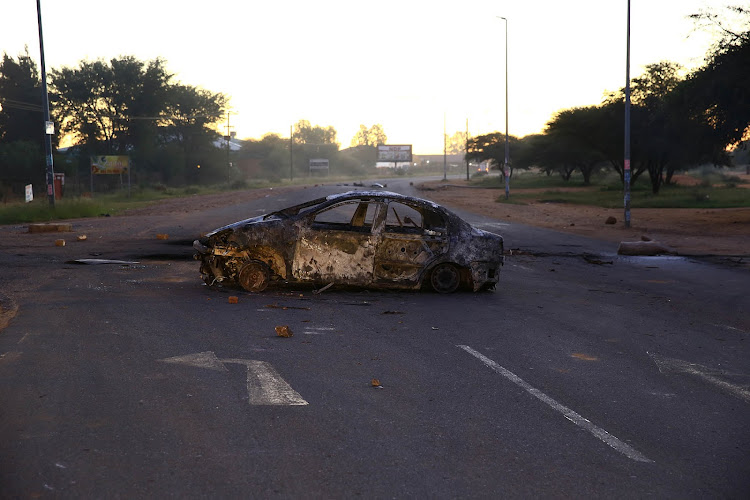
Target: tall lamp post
x=506, y=166
x=49, y=128
x=626, y=160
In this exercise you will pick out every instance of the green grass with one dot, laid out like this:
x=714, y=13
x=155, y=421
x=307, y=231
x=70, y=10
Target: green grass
x=39, y=210
x=668, y=197
x=716, y=190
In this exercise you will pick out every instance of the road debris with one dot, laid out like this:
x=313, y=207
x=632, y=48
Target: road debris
x=233, y=299
x=92, y=262
x=59, y=243
x=593, y=259
x=50, y=227
x=321, y=290
x=162, y=236
x=284, y=331
x=376, y=383
x=644, y=248
x=81, y=237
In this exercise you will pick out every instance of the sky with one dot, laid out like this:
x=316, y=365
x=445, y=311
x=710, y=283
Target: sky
x=417, y=67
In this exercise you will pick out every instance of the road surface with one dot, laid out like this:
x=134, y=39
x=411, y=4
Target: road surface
x=584, y=374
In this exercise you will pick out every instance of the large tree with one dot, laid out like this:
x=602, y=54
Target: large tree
x=100, y=102
x=373, y=136
x=305, y=133
x=491, y=147
x=21, y=116
x=719, y=92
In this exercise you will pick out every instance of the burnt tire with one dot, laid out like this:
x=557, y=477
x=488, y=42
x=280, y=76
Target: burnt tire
x=445, y=278
x=254, y=276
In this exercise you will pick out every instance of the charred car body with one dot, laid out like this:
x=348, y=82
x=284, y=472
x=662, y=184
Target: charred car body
x=362, y=238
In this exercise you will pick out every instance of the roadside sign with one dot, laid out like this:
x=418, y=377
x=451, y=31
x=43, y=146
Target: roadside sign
x=29, y=193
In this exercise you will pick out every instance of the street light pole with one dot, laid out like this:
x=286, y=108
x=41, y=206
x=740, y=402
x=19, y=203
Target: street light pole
x=48, y=126
x=445, y=157
x=626, y=160
x=506, y=166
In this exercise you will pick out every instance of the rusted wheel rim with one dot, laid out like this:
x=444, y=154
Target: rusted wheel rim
x=254, y=276
x=445, y=278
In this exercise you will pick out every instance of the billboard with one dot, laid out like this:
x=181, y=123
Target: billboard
x=318, y=164
x=394, y=152
x=110, y=164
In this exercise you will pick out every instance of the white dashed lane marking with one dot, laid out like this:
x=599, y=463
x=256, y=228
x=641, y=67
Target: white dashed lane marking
x=574, y=417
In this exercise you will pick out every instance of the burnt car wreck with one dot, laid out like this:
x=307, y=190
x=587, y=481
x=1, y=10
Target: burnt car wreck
x=372, y=239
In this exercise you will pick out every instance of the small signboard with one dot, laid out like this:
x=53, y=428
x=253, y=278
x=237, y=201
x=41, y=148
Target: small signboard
x=110, y=164
x=29, y=193
x=394, y=153
x=318, y=164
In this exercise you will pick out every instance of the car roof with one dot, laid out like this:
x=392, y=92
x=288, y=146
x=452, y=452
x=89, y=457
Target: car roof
x=383, y=195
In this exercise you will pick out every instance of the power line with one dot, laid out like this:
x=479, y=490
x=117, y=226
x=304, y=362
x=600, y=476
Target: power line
x=12, y=103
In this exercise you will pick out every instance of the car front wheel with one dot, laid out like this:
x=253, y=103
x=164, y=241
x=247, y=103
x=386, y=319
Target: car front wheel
x=445, y=278
x=254, y=276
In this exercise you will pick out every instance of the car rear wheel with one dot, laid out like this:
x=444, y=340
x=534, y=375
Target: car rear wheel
x=445, y=278
x=254, y=276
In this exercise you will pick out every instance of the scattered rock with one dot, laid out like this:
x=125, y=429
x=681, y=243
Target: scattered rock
x=611, y=220
x=284, y=331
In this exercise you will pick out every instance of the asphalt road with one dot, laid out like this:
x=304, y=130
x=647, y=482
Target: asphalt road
x=583, y=375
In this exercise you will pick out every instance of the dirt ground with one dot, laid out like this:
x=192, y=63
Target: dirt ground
x=723, y=232
x=688, y=231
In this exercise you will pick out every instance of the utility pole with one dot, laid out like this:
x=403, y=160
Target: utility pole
x=626, y=160
x=49, y=127
x=445, y=155
x=291, y=153
x=228, y=138
x=466, y=149
x=506, y=166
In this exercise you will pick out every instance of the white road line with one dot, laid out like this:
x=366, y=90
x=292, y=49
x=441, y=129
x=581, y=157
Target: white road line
x=667, y=365
x=574, y=417
x=266, y=387
x=317, y=330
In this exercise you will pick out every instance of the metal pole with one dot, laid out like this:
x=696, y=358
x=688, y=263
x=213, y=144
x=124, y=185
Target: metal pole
x=229, y=165
x=626, y=162
x=466, y=153
x=445, y=159
x=506, y=167
x=47, y=123
x=291, y=153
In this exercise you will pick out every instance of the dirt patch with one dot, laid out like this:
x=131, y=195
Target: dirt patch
x=201, y=202
x=689, y=231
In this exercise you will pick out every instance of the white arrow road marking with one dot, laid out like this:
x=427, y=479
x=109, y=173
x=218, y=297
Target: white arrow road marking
x=574, y=417
x=670, y=365
x=264, y=385
x=200, y=359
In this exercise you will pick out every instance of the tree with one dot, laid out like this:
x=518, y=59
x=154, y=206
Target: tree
x=21, y=116
x=719, y=92
x=490, y=147
x=373, y=136
x=101, y=102
x=305, y=133
x=128, y=106
x=456, y=143
x=190, y=116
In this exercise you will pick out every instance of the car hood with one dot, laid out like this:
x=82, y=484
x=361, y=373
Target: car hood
x=242, y=223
